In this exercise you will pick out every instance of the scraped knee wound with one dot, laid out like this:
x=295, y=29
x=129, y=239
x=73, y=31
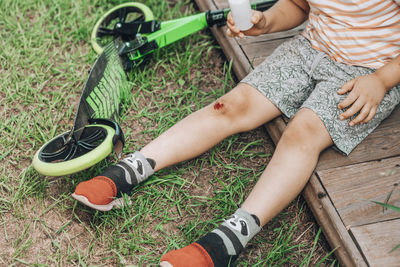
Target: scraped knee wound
x=225, y=107
x=218, y=105
x=232, y=105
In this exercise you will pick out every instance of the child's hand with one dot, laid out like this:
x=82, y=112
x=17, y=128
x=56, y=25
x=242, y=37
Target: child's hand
x=258, y=19
x=366, y=93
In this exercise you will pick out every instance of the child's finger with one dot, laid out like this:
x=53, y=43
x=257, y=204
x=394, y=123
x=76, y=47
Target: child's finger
x=230, y=19
x=233, y=34
x=350, y=99
x=256, y=17
x=355, y=107
x=233, y=28
x=346, y=87
x=370, y=116
x=364, y=112
x=229, y=33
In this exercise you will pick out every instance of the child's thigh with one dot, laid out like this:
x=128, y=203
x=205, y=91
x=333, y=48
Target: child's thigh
x=324, y=101
x=284, y=76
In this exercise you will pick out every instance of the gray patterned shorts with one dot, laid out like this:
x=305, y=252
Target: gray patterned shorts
x=297, y=76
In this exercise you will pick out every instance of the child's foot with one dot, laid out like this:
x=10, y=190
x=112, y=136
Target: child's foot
x=104, y=192
x=220, y=248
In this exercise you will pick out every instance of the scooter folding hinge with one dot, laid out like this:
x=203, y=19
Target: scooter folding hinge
x=130, y=46
x=139, y=44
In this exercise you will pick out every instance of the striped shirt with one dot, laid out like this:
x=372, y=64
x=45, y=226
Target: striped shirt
x=356, y=32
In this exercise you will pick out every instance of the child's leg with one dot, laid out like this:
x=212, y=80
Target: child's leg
x=291, y=166
x=242, y=109
x=288, y=171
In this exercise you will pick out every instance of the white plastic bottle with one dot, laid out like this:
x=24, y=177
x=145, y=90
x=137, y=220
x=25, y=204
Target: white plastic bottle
x=241, y=13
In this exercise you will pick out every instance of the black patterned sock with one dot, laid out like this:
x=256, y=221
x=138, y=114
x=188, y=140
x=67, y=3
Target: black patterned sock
x=129, y=172
x=225, y=243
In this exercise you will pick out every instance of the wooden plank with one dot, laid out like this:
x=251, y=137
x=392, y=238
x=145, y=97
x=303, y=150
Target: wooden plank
x=222, y=3
x=257, y=61
x=206, y=5
x=259, y=47
x=377, y=240
x=275, y=128
x=332, y=226
x=271, y=36
x=263, y=49
x=352, y=188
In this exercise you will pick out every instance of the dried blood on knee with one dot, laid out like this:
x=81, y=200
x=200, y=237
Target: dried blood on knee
x=218, y=105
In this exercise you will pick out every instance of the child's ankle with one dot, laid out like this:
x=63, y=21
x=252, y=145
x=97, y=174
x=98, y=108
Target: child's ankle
x=222, y=246
x=115, y=180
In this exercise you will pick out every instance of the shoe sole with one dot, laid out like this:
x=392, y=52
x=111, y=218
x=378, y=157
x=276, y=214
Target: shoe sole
x=165, y=264
x=117, y=203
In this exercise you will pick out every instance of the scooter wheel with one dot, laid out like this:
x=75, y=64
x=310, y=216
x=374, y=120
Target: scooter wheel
x=102, y=32
x=58, y=157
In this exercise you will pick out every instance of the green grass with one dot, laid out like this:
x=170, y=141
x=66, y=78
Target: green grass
x=44, y=61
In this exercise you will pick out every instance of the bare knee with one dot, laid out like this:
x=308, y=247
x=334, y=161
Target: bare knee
x=232, y=105
x=306, y=132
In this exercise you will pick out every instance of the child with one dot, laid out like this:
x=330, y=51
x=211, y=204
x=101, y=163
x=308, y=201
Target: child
x=336, y=81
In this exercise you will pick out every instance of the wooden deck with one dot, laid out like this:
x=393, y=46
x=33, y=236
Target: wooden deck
x=340, y=191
